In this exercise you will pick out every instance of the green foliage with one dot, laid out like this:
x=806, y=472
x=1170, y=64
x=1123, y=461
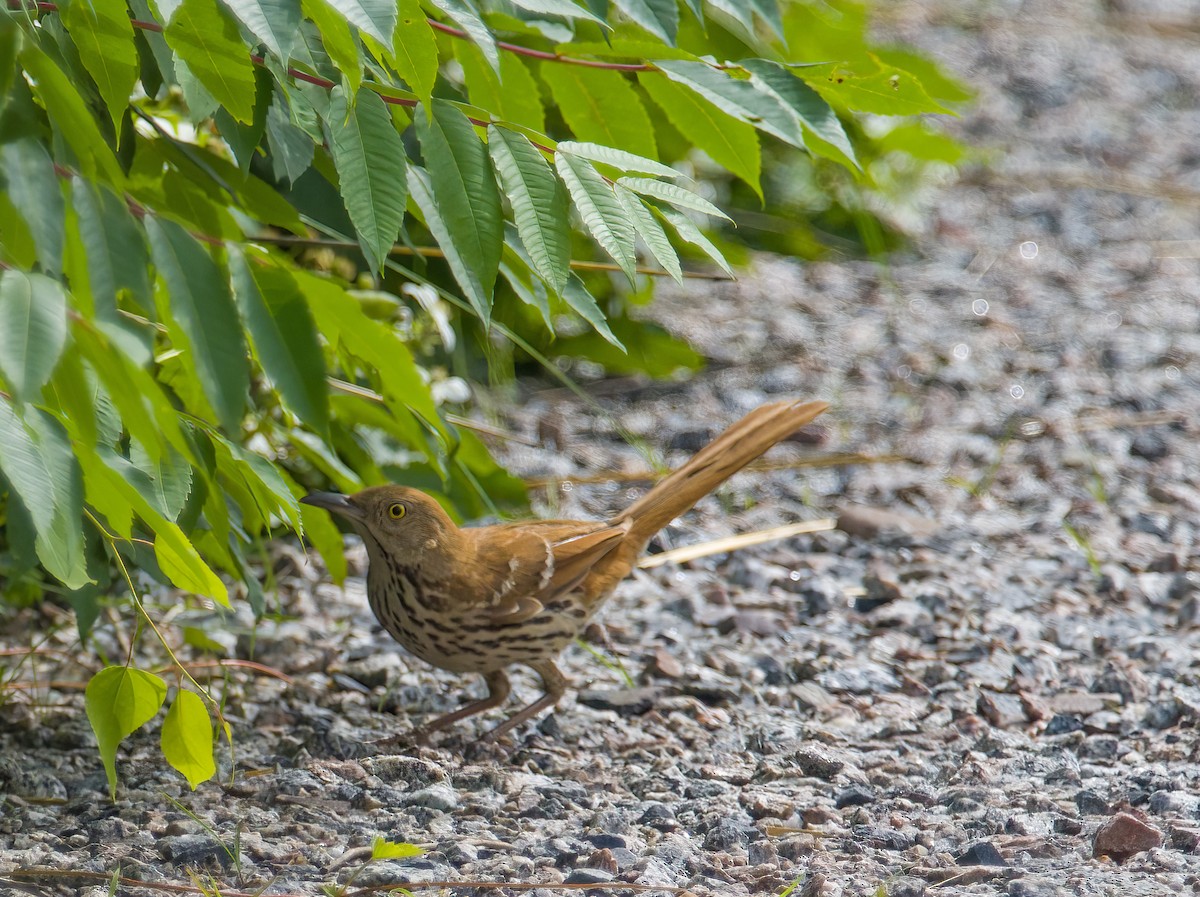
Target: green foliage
x=203, y=306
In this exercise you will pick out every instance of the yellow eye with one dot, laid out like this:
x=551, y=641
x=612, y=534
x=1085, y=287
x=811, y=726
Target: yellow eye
x=396, y=510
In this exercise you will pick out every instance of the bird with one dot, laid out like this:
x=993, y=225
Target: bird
x=479, y=599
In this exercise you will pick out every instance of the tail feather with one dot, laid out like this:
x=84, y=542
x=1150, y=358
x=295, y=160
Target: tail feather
x=742, y=443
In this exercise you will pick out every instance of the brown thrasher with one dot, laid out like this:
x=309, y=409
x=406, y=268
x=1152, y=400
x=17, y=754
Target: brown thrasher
x=479, y=599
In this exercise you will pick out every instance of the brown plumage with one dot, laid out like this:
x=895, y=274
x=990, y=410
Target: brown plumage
x=479, y=599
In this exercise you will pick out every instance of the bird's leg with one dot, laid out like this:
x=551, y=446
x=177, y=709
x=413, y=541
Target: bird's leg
x=498, y=690
x=555, y=684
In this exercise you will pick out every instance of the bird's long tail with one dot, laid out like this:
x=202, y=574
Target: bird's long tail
x=742, y=443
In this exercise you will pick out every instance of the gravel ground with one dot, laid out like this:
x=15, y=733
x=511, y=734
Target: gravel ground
x=986, y=676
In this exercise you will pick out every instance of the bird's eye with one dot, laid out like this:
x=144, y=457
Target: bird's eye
x=396, y=510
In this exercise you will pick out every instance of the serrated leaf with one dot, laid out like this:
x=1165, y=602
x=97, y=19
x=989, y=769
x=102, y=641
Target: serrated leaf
x=511, y=94
x=529, y=288
x=422, y=193
x=602, y=214
x=37, y=460
x=339, y=43
x=71, y=116
x=291, y=148
x=274, y=22
x=187, y=738
x=564, y=8
x=375, y=17
x=659, y=17
x=618, y=158
x=33, y=331
x=689, y=233
x=206, y=38
x=601, y=106
x=462, y=15
x=176, y=555
x=538, y=200
x=740, y=99
x=208, y=324
x=814, y=114
x=341, y=320
x=731, y=143
x=578, y=297
x=33, y=188
x=673, y=194
x=650, y=231
x=104, y=37
x=115, y=247
x=119, y=701
x=370, y=161
x=285, y=339
x=465, y=191
x=415, y=49
x=166, y=481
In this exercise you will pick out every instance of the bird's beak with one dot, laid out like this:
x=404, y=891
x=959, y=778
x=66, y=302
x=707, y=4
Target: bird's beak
x=335, y=503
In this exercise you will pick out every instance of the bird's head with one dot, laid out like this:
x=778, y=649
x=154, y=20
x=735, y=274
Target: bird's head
x=403, y=522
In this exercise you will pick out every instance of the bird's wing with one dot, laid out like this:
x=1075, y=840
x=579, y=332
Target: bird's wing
x=521, y=567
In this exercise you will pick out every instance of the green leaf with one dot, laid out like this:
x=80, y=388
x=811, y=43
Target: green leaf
x=104, y=37
x=731, y=143
x=650, y=231
x=166, y=481
x=740, y=99
x=338, y=40
x=285, y=339
x=145, y=410
x=689, y=233
x=370, y=161
x=422, y=193
x=659, y=17
x=603, y=215
x=115, y=247
x=607, y=155
x=577, y=296
x=37, y=460
x=176, y=555
x=291, y=148
x=33, y=188
x=814, y=114
x=462, y=15
x=539, y=203
x=206, y=38
x=769, y=10
x=119, y=701
x=872, y=87
x=511, y=94
x=208, y=324
x=72, y=117
x=274, y=22
x=374, y=17
x=673, y=194
x=187, y=738
x=340, y=319
x=465, y=192
x=382, y=849
x=936, y=83
x=415, y=49
x=33, y=331
x=601, y=106
x=564, y=8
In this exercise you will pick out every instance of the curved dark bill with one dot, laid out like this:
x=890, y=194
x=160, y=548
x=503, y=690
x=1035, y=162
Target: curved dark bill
x=334, y=502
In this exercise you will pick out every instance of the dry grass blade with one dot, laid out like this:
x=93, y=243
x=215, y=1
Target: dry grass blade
x=734, y=543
